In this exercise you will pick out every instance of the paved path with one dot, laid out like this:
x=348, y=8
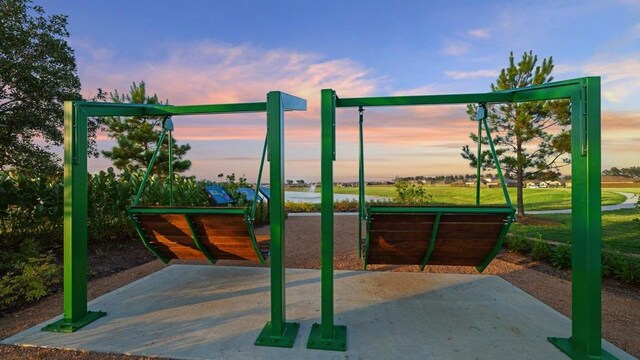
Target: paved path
x=628, y=203
x=203, y=312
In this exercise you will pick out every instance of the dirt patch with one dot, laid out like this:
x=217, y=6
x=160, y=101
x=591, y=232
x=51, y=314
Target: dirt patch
x=537, y=221
x=620, y=302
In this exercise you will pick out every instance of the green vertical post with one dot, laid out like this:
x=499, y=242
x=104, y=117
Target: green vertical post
x=277, y=332
x=586, y=278
x=362, y=202
x=478, y=172
x=326, y=335
x=75, y=223
x=170, y=167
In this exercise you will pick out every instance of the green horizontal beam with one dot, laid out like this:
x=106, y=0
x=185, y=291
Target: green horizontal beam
x=556, y=90
x=160, y=210
x=425, y=100
x=443, y=209
x=90, y=109
x=551, y=85
x=547, y=93
x=110, y=109
x=213, y=108
x=290, y=102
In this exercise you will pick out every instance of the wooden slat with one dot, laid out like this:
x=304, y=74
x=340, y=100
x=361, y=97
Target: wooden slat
x=170, y=229
x=462, y=239
x=236, y=242
x=469, y=236
x=262, y=238
x=170, y=234
x=423, y=226
x=394, y=236
x=222, y=220
x=403, y=218
x=458, y=218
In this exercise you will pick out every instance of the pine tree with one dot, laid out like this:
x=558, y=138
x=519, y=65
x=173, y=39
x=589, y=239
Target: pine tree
x=530, y=137
x=137, y=137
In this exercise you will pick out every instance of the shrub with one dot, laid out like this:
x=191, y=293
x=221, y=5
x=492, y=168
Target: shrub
x=629, y=272
x=29, y=281
x=345, y=205
x=611, y=262
x=262, y=213
x=519, y=243
x=541, y=250
x=296, y=207
x=109, y=196
x=30, y=208
x=622, y=267
x=561, y=256
x=408, y=193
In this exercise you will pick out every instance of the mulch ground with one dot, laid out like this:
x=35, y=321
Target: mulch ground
x=116, y=265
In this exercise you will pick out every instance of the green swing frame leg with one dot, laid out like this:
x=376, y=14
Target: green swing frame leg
x=327, y=335
x=586, y=329
x=76, y=315
x=277, y=332
x=567, y=346
x=69, y=325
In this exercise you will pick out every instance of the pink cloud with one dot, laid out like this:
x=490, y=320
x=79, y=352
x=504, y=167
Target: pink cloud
x=400, y=140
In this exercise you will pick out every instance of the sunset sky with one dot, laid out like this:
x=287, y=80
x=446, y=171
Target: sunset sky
x=198, y=52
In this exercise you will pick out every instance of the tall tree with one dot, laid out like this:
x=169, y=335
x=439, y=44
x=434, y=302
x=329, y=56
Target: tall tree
x=137, y=137
x=37, y=74
x=633, y=171
x=530, y=137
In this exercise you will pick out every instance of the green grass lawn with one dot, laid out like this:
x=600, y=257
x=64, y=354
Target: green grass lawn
x=633, y=190
x=534, y=199
x=620, y=230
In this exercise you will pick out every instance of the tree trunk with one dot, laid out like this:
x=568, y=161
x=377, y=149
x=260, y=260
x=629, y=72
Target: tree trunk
x=520, y=182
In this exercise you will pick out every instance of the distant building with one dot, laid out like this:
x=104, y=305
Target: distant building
x=537, y=184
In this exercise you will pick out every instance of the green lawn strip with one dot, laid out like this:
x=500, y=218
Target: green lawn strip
x=620, y=230
x=534, y=199
x=633, y=190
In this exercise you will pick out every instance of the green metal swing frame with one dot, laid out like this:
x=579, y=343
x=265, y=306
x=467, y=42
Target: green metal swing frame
x=584, y=94
x=365, y=212
x=277, y=332
x=248, y=213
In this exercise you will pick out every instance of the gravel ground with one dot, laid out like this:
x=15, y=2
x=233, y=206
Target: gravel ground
x=620, y=303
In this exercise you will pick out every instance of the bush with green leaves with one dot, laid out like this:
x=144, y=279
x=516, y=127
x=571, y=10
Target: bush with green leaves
x=561, y=256
x=28, y=281
x=541, y=250
x=408, y=193
x=31, y=220
x=625, y=268
x=30, y=209
x=519, y=243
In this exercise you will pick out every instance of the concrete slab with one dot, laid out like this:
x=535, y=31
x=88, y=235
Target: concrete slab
x=204, y=312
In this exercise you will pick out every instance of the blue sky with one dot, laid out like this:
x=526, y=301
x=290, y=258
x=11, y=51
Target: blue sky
x=216, y=52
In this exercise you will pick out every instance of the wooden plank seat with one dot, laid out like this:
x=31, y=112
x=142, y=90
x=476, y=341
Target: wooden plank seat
x=435, y=235
x=212, y=233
